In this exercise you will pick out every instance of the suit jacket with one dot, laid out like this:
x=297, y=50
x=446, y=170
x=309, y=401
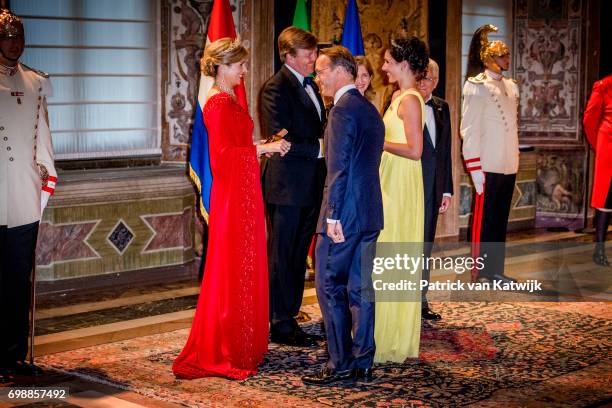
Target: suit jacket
x=489, y=125
x=354, y=139
x=297, y=178
x=437, y=161
x=25, y=143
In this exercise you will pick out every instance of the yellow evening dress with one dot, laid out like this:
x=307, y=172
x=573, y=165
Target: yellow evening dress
x=397, y=327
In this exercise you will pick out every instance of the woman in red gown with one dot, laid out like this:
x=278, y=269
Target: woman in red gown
x=598, y=128
x=229, y=334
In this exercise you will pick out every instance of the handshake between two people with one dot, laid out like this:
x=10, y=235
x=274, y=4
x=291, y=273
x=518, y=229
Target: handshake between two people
x=274, y=144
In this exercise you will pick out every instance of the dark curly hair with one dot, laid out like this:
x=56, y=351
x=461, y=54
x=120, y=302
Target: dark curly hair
x=414, y=51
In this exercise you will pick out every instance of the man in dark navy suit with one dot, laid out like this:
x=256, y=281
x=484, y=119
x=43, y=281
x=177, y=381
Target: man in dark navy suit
x=292, y=184
x=351, y=216
x=437, y=168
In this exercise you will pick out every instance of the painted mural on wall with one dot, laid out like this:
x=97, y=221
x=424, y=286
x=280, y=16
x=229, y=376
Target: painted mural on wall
x=402, y=18
x=560, y=185
x=548, y=67
x=184, y=25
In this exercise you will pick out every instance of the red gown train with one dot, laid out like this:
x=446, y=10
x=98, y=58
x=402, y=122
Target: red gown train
x=229, y=334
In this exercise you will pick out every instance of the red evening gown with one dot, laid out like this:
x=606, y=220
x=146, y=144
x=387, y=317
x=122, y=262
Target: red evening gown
x=229, y=334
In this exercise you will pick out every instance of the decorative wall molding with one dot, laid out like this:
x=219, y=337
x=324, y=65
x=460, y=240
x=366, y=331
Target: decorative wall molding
x=116, y=220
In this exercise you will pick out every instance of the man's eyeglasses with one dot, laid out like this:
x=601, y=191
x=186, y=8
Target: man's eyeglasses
x=318, y=72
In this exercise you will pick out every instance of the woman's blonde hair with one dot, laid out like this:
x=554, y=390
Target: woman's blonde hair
x=222, y=51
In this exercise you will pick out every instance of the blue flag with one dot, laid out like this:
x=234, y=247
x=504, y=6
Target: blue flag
x=199, y=161
x=351, y=34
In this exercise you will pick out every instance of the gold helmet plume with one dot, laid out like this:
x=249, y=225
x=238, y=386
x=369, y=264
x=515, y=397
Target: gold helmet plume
x=10, y=25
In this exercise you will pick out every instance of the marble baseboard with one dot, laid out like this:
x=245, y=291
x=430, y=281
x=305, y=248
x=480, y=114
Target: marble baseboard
x=111, y=221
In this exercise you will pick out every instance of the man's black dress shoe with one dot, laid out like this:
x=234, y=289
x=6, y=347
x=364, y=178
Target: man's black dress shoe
x=363, y=374
x=308, y=340
x=295, y=339
x=25, y=369
x=327, y=376
x=497, y=277
x=503, y=278
x=316, y=337
x=599, y=257
x=428, y=314
x=5, y=376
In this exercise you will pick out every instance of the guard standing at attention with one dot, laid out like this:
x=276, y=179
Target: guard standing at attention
x=489, y=129
x=27, y=180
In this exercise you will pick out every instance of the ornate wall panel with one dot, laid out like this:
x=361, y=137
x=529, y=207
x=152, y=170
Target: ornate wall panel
x=184, y=26
x=561, y=186
x=380, y=20
x=549, y=65
x=548, y=68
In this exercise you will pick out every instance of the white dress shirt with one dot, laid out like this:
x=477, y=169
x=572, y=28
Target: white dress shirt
x=430, y=121
x=313, y=97
x=311, y=93
x=342, y=91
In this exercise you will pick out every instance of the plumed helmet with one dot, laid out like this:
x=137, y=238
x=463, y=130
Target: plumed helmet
x=494, y=49
x=10, y=25
x=482, y=49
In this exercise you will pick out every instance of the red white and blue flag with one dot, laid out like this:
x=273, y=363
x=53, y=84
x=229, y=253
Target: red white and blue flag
x=221, y=25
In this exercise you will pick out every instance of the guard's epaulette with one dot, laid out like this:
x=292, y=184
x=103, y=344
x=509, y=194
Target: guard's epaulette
x=41, y=73
x=478, y=79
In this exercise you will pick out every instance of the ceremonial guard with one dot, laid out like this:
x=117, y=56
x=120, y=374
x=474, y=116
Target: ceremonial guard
x=27, y=179
x=490, y=148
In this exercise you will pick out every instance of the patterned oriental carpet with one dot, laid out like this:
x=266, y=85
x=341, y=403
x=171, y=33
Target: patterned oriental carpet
x=480, y=354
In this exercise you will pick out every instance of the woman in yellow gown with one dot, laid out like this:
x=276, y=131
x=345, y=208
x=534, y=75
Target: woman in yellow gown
x=397, y=327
